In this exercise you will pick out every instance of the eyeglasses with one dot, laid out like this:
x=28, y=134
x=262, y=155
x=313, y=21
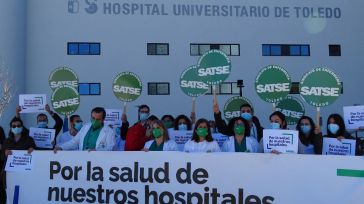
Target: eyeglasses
x=16, y=126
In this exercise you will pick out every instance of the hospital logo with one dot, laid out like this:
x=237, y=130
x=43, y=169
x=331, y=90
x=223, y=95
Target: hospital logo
x=90, y=6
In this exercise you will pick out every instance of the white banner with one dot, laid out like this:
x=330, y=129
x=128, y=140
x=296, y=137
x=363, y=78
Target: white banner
x=178, y=177
x=333, y=146
x=353, y=117
x=19, y=161
x=181, y=137
x=32, y=103
x=43, y=137
x=284, y=141
x=113, y=117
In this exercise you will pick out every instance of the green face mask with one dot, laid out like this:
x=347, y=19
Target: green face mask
x=202, y=132
x=96, y=123
x=157, y=132
x=239, y=129
x=168, y=124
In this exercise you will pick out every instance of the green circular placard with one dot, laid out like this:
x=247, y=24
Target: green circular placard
x=191, y=84
x=232, y=106
x=292, y=108
x=214, y=67
x=320, y=87
x=127, y=86
x=65, y=100
x=272, y=83
x=62, y=76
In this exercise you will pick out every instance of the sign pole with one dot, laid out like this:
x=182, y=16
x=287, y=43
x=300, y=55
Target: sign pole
x=318, y=115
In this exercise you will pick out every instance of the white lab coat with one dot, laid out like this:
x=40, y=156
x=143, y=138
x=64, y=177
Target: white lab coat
x=169, y=145
x=192, y=146
x=251, y=144
x=65, y=137
x=105, y=141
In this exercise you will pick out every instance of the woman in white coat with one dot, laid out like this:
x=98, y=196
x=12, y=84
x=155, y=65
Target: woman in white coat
x=202, y=140
x=161, y=140
x=241, y=141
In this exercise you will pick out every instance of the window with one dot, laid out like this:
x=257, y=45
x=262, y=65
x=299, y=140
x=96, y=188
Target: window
x=225, y=88
x=158, y=49
x=285, y=50
x=228, y=49
x=89, y=88
x=334, y=50
x=158, y=88
x=83, y=48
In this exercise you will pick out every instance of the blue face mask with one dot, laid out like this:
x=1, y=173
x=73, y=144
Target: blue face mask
x=275, y=126
x=144, y=116
x=333, y=128
x=182, y=127
x=42, y=124
x=247, y=116
x=16, y=130
x=78, y=126
x=306, y=129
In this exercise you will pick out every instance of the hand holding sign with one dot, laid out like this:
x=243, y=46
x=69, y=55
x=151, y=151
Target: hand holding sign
x=320, y=87
x=127, y=87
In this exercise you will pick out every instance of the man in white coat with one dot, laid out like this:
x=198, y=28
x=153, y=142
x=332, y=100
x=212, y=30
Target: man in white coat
x=93, y=136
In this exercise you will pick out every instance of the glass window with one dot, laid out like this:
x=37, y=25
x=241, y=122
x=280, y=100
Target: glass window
x=275, y=50
x=84, y=48
x=235, y=50
x=225, y=88
x=152, y=89
x=95, y=89
x=204, y=48
x=194, y=49
x=295, y=50
x=73, y=48
x=226, y=49
x=95, y=48
x=266, y=50
x=305, y=50
x=163, y=88
x=151, y=49
x=162, y=49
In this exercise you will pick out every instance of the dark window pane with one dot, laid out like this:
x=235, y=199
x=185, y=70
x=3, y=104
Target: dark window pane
x=84, y=89
x=95, y=89
x=266, y=50
x=95, y=48
x=305, y=50
x=295, y=50
x=214, y=46
x=275, y=50
x=162, y=88
x=162, y=49
x=334, y=50
x=285, y=50
x=152, y=49
x=194, y=49
x=152, y=89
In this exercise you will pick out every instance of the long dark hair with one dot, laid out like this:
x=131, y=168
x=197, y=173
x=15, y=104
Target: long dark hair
x=306, y=140
x=188, y=121
x=282, y=117
x=231, y=125
x=195, y=137
x=24, y=132
x=165, y=131
x=340, y=122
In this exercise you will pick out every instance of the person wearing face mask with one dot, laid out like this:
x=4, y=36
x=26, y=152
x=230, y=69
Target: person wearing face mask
x=75, y=126
x=182, y=123
x=202, y=140
x=42, y=120
x=140, y=132
x=168, y=121
x=277, y=121
x=241, y=141
x=246, y=112
x=93, y=136
x=310, y=136
x=18, y=139
x=161, y=141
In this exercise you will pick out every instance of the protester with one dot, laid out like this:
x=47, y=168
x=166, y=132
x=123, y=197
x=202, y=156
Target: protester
x=92, y=136
x=247, y=113
x=161, y=141
x=75, y=126
x=310, y=136
x=183, y=123
x=241, y=141
x=168, y=121
x=201, y=140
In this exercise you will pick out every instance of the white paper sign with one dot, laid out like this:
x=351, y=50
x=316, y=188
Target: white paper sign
x=113, y=117
x=32, y=103
x=284, y=141
x=43, y=137
x=354, y=117
x=19, y=162
x=333, y=146
x=181, y=137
